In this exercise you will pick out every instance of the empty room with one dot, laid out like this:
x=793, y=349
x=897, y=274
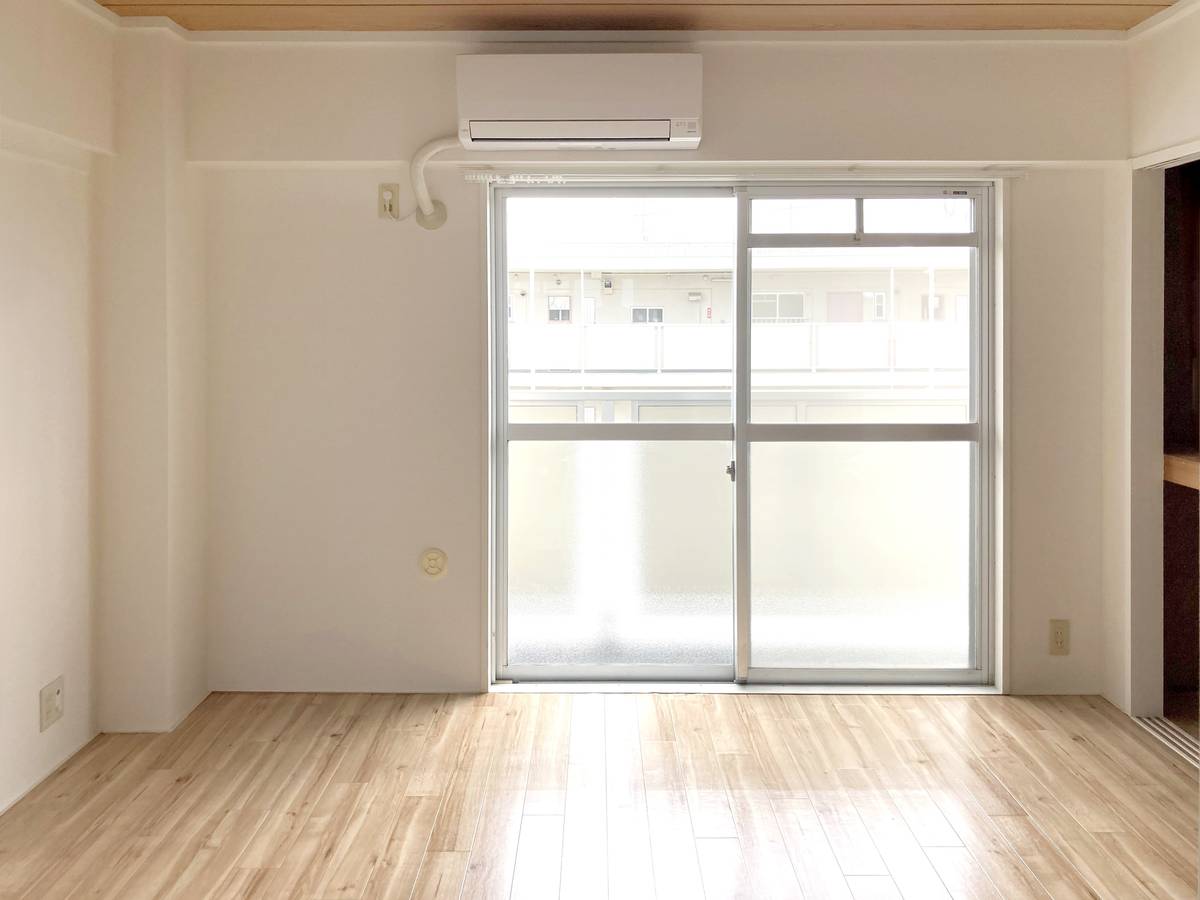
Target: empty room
x=573, y=449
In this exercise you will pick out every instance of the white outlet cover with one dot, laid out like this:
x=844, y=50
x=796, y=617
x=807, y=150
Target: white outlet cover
x=433, y=562
x=50, y=702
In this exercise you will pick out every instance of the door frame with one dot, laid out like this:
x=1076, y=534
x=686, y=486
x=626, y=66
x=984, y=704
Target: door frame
x=741, y=433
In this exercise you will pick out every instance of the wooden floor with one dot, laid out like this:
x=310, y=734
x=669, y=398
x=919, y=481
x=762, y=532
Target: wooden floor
x=620, y=795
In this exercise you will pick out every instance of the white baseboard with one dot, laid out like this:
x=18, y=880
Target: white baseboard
x=5, y=807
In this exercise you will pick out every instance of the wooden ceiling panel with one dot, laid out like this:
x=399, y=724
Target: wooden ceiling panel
x=723, y=15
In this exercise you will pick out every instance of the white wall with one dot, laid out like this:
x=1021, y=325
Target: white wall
x=819, y=99
x=1164, y=81
x=1058, y=276
x=56, y=62
x=45, y=469
x=346, y=383
x=46, y=484
x=346, y=394
x=1116, y=432
x=151, y=633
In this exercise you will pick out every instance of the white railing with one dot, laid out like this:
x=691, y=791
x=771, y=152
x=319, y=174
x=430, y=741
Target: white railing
x=782, y=346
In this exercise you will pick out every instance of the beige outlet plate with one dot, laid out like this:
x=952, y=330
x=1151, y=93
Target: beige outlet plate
x=433, y=562
x=50, y=702
x=1060, y=637
x=389, y=201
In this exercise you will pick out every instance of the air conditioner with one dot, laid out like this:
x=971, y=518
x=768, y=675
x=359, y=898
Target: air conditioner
x=608, y=101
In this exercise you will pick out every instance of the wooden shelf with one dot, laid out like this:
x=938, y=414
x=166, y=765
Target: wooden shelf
x=1182, y=468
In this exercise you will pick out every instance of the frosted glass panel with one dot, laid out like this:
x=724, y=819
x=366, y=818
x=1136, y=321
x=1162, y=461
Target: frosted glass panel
x=620, y=553
x=867, y=335
x=860, y=555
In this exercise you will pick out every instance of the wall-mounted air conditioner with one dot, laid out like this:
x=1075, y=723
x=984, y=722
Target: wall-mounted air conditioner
x=610, y=101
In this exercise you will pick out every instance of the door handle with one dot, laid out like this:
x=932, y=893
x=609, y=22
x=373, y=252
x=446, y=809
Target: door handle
x=731, y=470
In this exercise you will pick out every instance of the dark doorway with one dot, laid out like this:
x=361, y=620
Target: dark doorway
x=1181, y=444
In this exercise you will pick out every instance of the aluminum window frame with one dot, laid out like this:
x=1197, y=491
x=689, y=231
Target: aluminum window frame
x=977, y=431
x=742, y=432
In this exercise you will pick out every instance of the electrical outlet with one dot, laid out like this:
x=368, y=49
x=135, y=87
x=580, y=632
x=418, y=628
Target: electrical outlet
x=433, y=562
x=389, y=201
x=1060, y=637
x=51, y=702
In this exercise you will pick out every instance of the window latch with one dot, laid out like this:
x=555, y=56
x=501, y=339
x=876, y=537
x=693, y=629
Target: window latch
x=731, y=470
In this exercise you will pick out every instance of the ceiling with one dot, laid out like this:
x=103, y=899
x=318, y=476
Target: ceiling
x=736, y=15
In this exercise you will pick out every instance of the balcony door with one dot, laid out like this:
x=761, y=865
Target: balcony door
x=741, y=433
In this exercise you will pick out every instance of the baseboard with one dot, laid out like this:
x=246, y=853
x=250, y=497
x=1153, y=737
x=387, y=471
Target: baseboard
x=5, y=807
x=158, y=729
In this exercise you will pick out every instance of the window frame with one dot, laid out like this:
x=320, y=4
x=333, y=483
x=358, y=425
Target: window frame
x=743, y=432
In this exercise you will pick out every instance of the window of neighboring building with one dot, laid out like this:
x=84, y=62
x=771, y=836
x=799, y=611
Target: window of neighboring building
x=778, y=307
x=764, y=307
x=560, y=308
x=878, y=302
x=933, y=309
x=648, y=314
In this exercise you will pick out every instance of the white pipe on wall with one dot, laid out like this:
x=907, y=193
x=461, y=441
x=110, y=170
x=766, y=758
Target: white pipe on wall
x=430, y=213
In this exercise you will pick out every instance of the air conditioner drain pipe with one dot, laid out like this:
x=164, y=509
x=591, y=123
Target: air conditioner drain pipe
x=429, y=213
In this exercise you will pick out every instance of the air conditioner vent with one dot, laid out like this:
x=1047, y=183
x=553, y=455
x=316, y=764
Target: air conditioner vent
x=599, y=100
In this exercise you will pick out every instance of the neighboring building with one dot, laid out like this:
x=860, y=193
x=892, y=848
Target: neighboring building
x=835, y=336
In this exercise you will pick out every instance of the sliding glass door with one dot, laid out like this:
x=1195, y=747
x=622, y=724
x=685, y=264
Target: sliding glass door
x=742, y=433
x=616, y=395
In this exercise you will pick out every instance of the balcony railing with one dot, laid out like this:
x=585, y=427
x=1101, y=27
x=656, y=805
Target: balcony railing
x=776, y=346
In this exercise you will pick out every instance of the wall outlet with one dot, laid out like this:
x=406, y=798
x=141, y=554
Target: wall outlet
x=1060, y=637
x=51, y=702
x=433, y=562
x=389, y=201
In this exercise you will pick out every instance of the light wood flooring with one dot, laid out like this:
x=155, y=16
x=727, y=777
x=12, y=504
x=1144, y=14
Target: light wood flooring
x=619, y=795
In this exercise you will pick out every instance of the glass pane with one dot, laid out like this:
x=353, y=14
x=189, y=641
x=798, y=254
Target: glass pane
x=617, y=300
x=885, y=334
x=802, y=216
x=927, y=216
x=860, y=555
x=620, y=553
